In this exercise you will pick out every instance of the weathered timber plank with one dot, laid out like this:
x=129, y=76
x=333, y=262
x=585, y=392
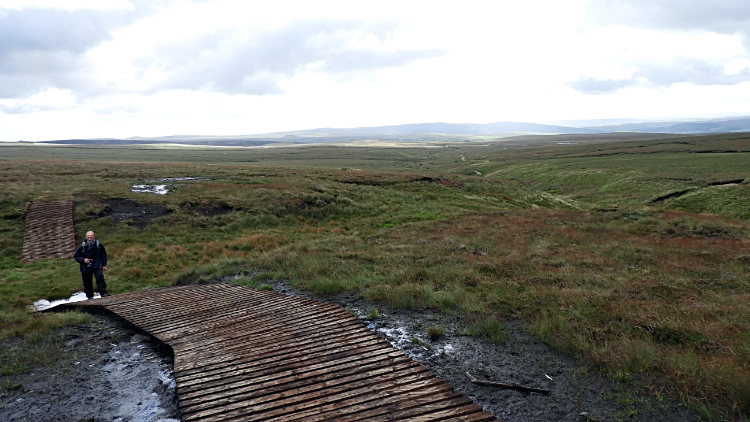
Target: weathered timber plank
x=183, y=365
x=245, y=354
x=49, y=231
x=431, y=409
x=349, y=399
x=457, y=405
x=280, y=396
x=251, y=367
x=383, y=401
x=189, y=367
x=259, y=327
x=291, y=369
x=267, y=344
x=451, y=416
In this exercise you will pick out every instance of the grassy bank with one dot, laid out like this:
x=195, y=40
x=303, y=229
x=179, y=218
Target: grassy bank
x=632, y=255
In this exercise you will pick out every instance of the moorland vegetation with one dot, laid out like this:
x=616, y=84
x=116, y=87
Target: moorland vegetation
x=633, y=255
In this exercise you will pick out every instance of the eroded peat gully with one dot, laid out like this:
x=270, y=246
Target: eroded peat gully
x=247, y=354
x=49, y=231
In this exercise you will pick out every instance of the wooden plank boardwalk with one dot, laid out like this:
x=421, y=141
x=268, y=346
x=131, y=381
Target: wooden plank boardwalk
x=49, y=231
x=252, y=355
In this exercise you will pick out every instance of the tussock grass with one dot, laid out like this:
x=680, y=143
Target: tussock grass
x=16, y=324
x=434, y=332
x=490, y=328
x=373, y=313
x=653, y=294
x=572, y=240
x=40, y=344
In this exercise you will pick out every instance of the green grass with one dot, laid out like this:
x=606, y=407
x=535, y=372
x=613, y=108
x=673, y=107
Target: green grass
x=373, y=313
x=490, y=328
x=434, y=332
x=419, y=342
x=40, y=345
x=632, y=255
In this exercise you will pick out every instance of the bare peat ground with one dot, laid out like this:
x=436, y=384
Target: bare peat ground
x=576, y=392
x=111, y=372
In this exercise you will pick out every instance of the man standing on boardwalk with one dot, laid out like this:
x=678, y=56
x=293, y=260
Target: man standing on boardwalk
x=92, y=258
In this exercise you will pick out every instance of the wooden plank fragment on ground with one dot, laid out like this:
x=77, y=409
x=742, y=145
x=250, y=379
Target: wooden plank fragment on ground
x=49, y=231
x=247, y=354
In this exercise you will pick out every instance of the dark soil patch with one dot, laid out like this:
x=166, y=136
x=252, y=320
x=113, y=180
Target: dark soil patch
x=109, y=371
x=97, y=390
x=577, y=393
x=727, y=182
x=444, y=182
x=136, y=214
x=676, y=194
x=369, y=182
x=212, y=211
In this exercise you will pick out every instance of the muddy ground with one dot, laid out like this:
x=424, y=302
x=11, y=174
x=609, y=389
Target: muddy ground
x=122, y=375
x=137, y=214
x=576, y=393
x=109, y=371
x=140, y=215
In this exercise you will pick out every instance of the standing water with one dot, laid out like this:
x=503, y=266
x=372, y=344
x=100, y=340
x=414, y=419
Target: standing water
x=44, y=304
x=162, y=189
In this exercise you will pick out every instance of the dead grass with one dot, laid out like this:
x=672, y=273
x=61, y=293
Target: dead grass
x=637, y=288
x=626, y=294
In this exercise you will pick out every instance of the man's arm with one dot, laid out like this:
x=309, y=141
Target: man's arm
x=78, y=256
x=103, y=256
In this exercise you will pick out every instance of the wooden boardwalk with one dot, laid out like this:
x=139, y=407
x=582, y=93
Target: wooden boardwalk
x=252, y=355
x=49, y=231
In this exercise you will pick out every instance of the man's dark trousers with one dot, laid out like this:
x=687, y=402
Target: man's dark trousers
x=88, y=287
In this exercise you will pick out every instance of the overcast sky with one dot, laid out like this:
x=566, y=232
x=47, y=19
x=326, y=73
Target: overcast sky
x=121, y=68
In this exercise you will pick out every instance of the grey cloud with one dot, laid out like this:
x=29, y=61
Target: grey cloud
x=104, y=107
x=53, y=30
x=223, y=63
x=370, y=60
x=26, y=108
x=681, y=70
x=588, y=85
x=717, y=16
x=692, y=71
x=26, y=73
x=721, y=16
x=44, y=48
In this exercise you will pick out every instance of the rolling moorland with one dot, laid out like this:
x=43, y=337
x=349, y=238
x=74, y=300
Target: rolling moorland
x=633, y=254
x=445, y=132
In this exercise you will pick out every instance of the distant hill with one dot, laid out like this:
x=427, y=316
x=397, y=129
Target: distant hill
x=462, y=129
x=166, y=140
x=434, y=132
x=741, y=124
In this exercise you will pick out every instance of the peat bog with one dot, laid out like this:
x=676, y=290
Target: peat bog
x=630, y=257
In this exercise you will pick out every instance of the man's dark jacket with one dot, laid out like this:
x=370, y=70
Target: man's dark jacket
x=95, y=251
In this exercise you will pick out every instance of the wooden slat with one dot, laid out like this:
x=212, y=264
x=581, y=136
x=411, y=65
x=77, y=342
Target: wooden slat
x=240, y=367
x=246, y=354
x=265, y=399
x=49, y=231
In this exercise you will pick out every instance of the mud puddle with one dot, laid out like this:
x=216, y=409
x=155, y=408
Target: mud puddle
x=576, y=393
x=44, y=304
x=111, y=372
x=162, y=186
x=107, y=372
x=136, y=214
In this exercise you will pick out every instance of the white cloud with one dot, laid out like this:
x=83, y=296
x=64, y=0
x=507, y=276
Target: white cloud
x=718, y=16
x=69, y=5
x=226, y=67
x=737, y=66
x=51, y=99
